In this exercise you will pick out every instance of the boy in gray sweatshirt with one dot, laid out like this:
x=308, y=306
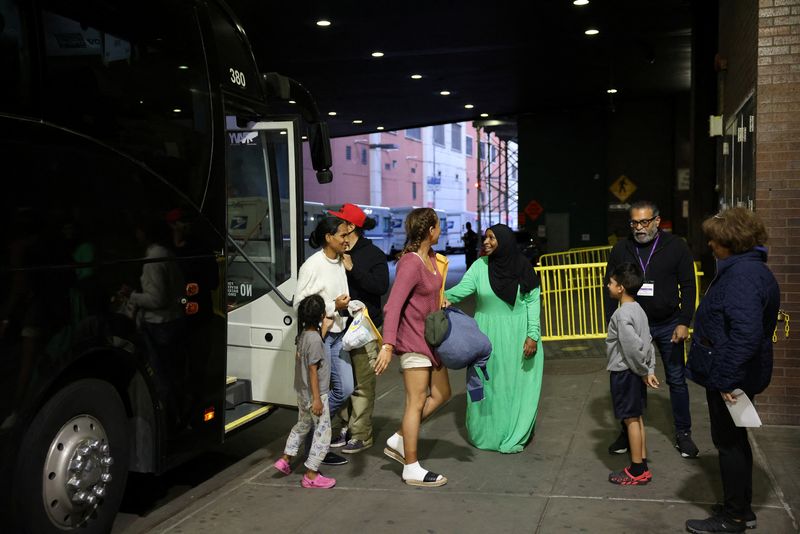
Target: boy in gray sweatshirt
x=631, y=361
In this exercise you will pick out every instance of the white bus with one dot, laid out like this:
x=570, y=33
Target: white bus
x=206, y=159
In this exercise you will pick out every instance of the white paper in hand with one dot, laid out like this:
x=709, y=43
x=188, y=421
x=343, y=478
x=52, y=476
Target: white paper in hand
x=743, y=412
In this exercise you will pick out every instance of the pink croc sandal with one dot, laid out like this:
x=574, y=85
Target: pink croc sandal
x=283, y=466
x=321, y=482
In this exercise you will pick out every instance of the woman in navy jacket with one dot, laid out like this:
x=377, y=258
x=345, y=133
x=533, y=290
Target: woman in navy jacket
x=732, y=349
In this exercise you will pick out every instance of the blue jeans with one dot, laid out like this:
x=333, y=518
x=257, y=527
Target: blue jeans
x=675, y=371
x=342, y=382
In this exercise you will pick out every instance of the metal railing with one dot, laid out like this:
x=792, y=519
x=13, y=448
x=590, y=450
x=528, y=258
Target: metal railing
x=573, y=293
x=576, y=256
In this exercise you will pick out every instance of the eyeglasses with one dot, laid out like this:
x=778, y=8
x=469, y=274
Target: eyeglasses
x=644, y=223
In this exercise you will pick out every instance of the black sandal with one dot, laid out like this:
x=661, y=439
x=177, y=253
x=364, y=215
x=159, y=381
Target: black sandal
x=430, y=480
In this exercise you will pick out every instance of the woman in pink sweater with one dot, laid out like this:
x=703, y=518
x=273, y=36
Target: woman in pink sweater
x=415, y=294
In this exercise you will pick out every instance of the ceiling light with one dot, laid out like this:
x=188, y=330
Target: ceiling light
x=444, y=93
x=332, y=113
x=304, y=138
x=292, y=102
x=357, y=121
x=183, y=67
x=484, y=115
x=379, y=128
x=283, y=132
x=323, y=23
x=377, y=54
x=611, y=91
x=592, y=31
x=580, y=2
x=468, y=106
x=416, y=76
x=176, y=110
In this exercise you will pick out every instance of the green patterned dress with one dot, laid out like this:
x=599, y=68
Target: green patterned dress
x=504, y=419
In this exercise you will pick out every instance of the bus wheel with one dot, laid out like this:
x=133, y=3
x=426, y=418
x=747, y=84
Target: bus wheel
x=73, y=462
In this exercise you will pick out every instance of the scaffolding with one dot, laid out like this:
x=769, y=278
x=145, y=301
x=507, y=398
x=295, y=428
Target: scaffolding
x=497, y=181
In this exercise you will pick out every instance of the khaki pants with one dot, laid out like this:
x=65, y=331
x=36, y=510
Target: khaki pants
x=358, y=413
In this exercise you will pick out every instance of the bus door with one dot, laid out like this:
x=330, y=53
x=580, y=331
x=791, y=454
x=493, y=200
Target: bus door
x=261, y=265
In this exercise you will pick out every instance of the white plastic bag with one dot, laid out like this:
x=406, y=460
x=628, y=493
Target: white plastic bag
x=359, y=333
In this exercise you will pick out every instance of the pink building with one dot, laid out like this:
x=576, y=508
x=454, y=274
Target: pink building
x=386, y=169
x=392, y=158
x=401, y=168
x=350, y=157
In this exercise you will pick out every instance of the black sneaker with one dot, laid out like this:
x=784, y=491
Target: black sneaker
x=685, y=445
x=749, y=519
x=620, y=446
x=714, y=524
x=334, y=459
x=339, y=440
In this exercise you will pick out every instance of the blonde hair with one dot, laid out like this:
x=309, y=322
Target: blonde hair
x=737, y=229
x=418, y=223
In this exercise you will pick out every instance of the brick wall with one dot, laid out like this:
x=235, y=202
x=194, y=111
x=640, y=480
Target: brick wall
x=778, y=188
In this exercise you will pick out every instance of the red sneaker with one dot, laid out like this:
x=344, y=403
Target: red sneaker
x=625, y=478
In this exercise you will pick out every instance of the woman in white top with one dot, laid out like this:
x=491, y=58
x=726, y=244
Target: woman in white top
x=323, y=274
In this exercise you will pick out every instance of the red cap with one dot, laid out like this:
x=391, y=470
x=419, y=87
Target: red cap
x=174, y=215
x=350, y=213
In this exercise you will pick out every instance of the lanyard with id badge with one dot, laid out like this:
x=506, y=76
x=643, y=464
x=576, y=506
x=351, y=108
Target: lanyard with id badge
x=648, y=286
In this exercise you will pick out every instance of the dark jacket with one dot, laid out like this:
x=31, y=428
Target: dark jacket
x=732, y=340
x=368, y=280
x=671, y=267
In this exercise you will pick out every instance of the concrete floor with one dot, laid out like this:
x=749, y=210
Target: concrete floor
x=558, y=484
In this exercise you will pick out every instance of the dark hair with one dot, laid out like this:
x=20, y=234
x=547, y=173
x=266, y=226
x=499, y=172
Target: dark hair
x=418, y=223
x=309, y=312
x=369, y=224
x=644, y=205
x=326, y=226
x=629, y=276
x=737, y=229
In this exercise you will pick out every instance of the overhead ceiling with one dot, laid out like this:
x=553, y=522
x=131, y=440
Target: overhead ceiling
x=504, y=58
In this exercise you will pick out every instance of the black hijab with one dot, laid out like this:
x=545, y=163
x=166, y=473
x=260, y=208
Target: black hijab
x=508, y=268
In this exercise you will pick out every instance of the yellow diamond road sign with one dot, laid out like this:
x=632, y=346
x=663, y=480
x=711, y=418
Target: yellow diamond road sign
x=622, y=188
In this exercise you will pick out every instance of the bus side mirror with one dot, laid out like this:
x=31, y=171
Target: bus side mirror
x=320, y=146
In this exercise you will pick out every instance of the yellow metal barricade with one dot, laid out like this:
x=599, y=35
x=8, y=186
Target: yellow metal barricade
x=572, y=301
x=573, y=295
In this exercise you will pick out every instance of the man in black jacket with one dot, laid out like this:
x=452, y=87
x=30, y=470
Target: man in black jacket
x=667, y=297
x=367, y=281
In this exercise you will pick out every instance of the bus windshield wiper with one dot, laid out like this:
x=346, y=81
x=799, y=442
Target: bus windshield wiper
x=258, y=271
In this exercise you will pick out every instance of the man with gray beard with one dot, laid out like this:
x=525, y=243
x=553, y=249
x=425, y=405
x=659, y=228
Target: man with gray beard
x=667, y=297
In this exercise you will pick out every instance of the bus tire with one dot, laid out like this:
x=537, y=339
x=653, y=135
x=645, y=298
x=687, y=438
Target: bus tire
x=73, y=462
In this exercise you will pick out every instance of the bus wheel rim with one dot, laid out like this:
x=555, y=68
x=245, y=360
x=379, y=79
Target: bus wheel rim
x=77, y=471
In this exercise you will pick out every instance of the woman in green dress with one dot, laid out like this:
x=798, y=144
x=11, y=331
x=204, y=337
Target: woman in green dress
x=507, y=311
